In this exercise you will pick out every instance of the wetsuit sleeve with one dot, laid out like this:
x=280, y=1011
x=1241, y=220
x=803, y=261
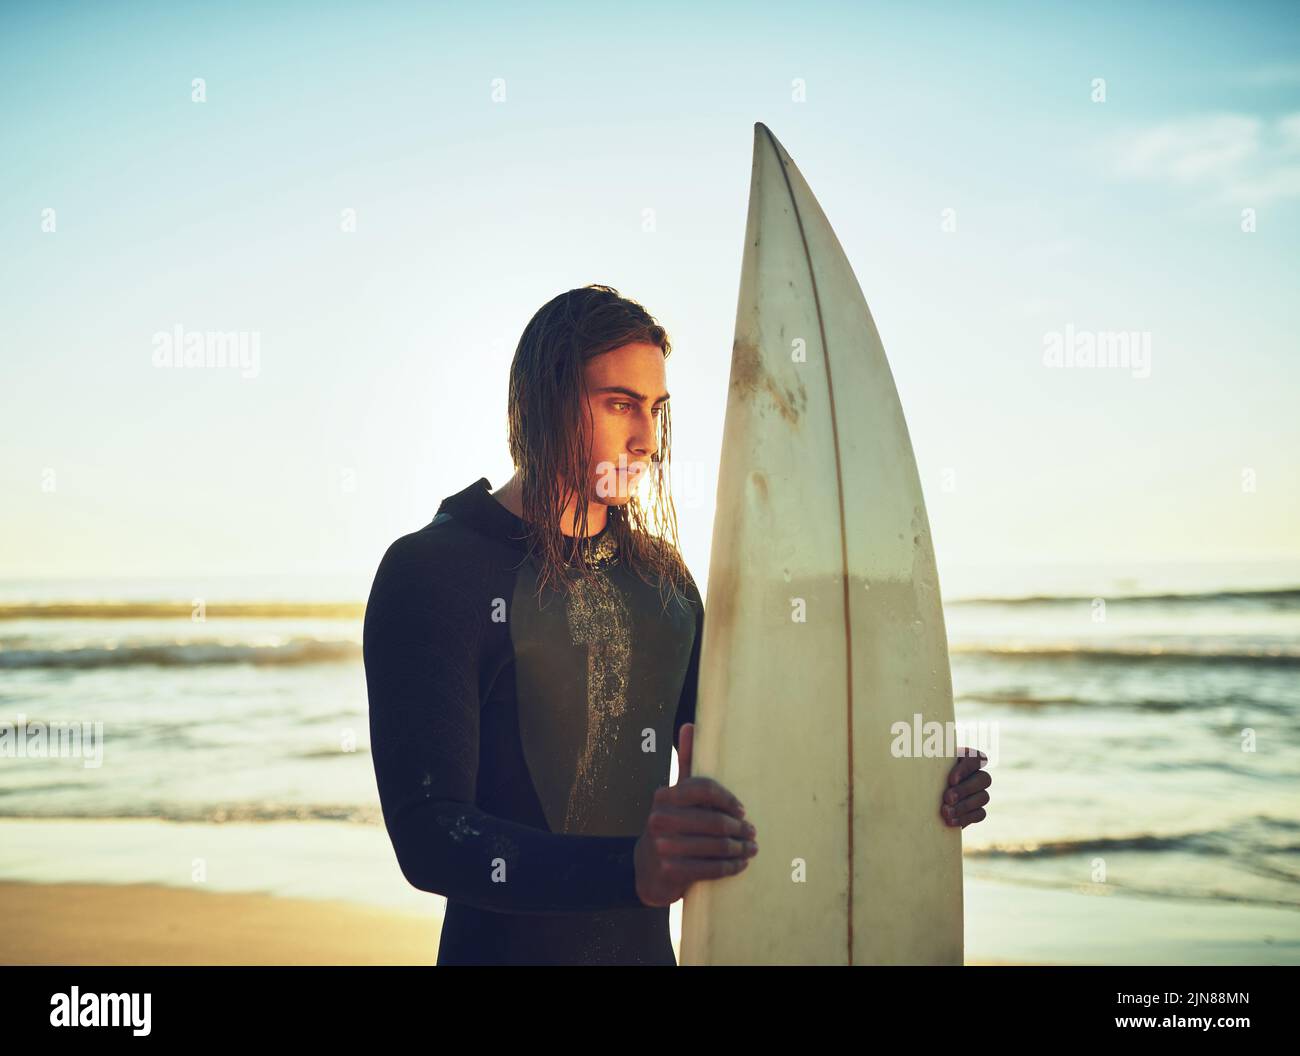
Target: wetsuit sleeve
x=425, y=627
x=686, y=703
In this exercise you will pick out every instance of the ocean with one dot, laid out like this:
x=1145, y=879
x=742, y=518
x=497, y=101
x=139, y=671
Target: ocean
x=1144, y=743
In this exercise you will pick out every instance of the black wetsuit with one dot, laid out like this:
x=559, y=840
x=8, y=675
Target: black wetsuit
x=517, y=746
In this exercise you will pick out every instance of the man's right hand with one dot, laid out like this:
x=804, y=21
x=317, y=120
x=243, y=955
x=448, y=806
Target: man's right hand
x=696, y=831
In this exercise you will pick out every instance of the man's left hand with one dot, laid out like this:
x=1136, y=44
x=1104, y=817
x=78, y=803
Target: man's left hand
x=966, y=792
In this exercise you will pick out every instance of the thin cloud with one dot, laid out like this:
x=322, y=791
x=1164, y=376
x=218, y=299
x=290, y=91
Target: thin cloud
x=1278, y=73
x=1237, y=158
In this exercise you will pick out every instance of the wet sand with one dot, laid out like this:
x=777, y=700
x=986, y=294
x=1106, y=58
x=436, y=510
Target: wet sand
x=89, y=891
x=150, y=924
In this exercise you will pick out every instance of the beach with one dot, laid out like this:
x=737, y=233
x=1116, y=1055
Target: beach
x=276, y=893
x=149, y=924
x=200, y=789
x=152, y=924
x=962, y=380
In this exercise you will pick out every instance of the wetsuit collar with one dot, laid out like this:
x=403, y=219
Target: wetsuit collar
x=475, y=505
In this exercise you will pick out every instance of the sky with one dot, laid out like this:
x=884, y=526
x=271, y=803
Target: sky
x=379, y=197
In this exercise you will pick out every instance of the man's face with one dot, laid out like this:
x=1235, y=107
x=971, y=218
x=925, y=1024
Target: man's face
x=626, y=394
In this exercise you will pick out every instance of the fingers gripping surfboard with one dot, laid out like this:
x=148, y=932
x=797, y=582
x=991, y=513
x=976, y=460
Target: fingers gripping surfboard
x=824, y=660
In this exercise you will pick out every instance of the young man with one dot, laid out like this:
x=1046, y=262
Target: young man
x=532, y=653
x=531, y=659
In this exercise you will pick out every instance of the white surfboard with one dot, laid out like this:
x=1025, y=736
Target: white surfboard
x=823, y=628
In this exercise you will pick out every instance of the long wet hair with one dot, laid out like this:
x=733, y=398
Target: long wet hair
x=547, y=412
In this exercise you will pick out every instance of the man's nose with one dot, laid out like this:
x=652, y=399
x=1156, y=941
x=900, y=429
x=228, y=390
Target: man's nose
x=645, y=445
